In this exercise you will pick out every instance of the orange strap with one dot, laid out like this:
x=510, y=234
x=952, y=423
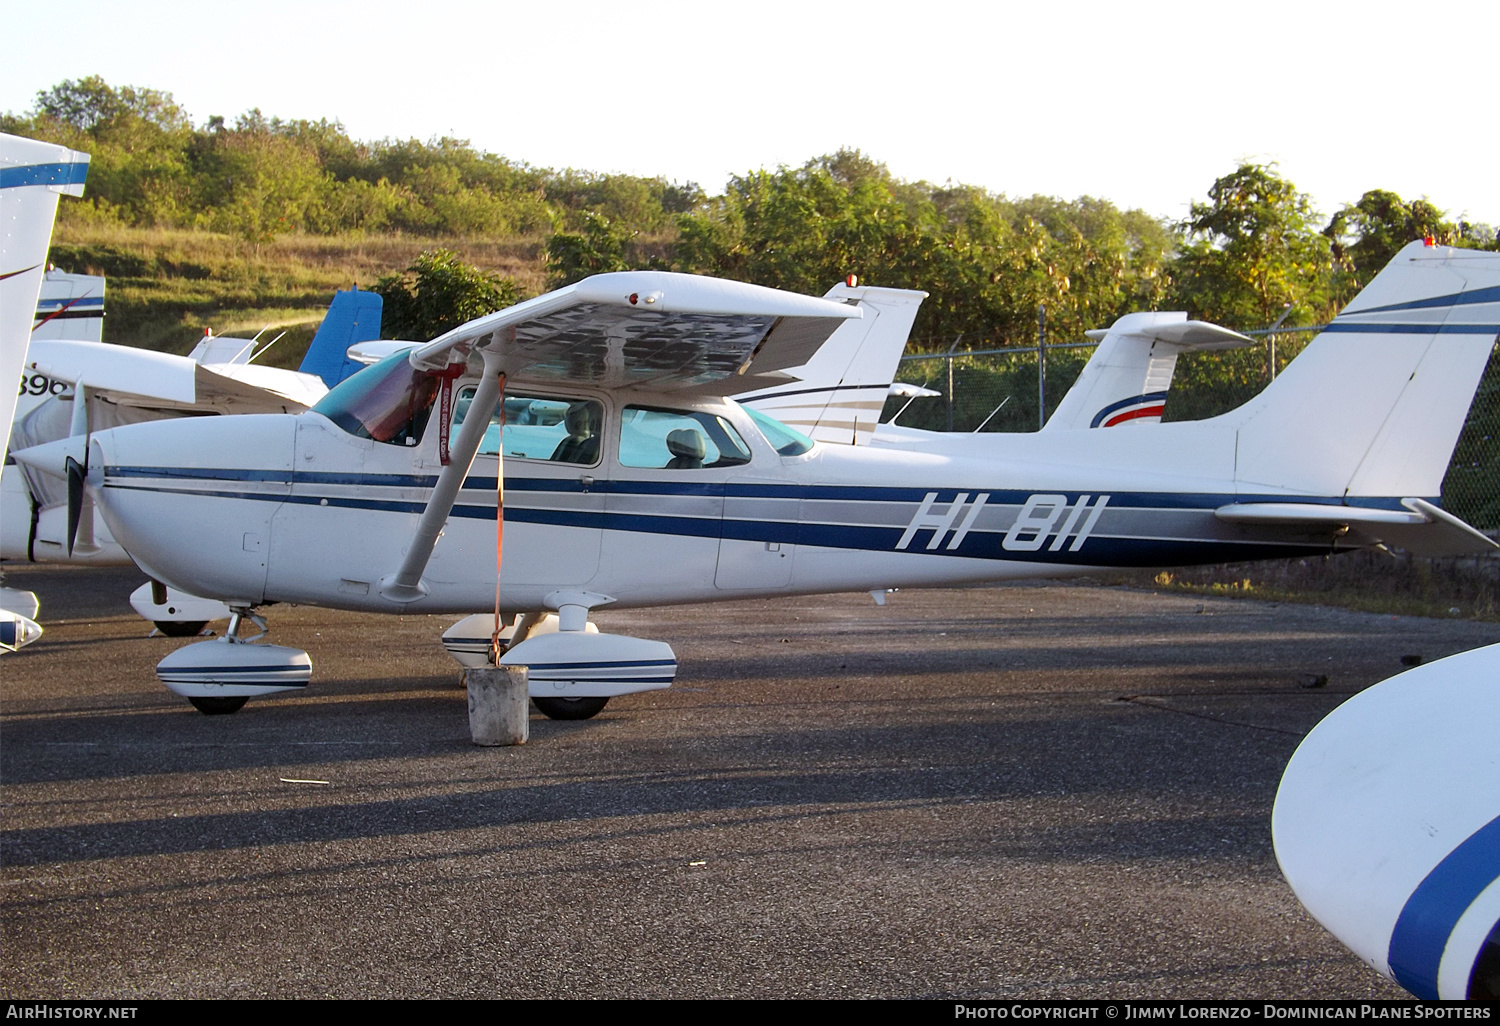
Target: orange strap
x=499, y=522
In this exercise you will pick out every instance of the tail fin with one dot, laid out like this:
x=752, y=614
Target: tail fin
x=1127, y=378
x=352, y=317
x=70, y=306
x=1374, y=405
x=32, y=175
x=844, y=386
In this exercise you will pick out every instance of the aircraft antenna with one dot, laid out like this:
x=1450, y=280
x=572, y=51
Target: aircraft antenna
x=912, y=400
x=268, y=345
x=986, y=420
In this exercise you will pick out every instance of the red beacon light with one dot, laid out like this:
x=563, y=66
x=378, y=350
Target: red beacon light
x=852, y=280
x=1429, y=241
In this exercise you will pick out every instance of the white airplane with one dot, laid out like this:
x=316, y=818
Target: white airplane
x=632, y=483
x=1387, y=826
x=32, y=177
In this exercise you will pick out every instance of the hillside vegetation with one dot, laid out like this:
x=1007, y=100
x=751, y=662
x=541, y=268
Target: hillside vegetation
x=253, y=224
x=260, y=218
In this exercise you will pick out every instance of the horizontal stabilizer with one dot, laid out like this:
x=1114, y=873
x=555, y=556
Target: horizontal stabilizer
x=366, y=353
x=1421, y=529
x=1188, y=336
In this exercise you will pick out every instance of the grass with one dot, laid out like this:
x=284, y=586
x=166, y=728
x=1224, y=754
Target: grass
x=1371, y=581
x=166, y=286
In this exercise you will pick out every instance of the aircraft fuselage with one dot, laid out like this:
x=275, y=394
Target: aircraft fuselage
x=281, y=508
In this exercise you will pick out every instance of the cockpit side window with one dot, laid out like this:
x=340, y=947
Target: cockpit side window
x=388, y=402
x=551, y=428
x=678, y=440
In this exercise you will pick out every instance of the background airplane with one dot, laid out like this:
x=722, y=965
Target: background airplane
x=32, y=177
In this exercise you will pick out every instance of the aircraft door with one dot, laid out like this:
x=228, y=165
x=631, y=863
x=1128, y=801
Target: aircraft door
x=555, y=478
x=761, y=515
x=666, y=501
x=759, y=540
x=335, y=496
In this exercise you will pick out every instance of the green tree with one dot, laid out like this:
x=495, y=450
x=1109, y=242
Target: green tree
x=599, y=246
x=137, y=140
x=1251, y=250
x=92, y=105
x=257, y=183
x=1364, y=236
x=439, y=292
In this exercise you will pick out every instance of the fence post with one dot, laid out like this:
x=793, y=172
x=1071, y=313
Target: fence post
x=950, y=378
x=1041, y=366
x=1286, y=309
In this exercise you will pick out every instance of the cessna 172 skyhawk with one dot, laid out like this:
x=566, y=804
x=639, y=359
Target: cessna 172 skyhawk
x=632, y=483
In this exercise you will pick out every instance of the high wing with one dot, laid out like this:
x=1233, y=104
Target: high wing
x=655, y=330
x=652, y=330
x=161, y=381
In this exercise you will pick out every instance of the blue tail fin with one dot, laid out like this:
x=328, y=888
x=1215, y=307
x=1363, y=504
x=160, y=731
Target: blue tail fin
x=353, y=316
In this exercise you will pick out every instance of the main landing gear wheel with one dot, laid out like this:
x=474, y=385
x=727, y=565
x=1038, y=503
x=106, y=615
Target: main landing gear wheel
x=181, y=628
x=571, y=708
x=218, y=706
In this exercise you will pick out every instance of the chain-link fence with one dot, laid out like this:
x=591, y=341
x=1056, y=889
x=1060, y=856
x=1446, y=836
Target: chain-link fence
x=998, y=390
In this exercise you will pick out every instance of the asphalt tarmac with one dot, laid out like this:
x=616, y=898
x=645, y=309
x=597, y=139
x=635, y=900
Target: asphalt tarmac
x=1032, y=791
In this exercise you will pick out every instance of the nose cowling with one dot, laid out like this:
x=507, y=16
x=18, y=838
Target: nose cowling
x=191, y=500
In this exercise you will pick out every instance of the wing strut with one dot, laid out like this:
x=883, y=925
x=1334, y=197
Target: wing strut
x=405, y=585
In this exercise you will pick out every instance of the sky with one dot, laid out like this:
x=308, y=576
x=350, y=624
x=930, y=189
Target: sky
x=1142, y=103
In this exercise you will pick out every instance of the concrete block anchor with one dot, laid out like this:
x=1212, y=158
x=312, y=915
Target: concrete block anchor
x=499, y=705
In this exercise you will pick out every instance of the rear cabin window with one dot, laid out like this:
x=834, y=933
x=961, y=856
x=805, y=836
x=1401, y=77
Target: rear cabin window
x=550, y=428
x=678, y=440
x=786, y=441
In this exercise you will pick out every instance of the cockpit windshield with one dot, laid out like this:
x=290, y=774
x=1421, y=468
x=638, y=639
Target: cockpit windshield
x=389, y=401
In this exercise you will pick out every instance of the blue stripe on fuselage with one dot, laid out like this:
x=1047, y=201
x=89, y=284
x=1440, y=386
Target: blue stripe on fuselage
x=827, y=493
x=1099, y=549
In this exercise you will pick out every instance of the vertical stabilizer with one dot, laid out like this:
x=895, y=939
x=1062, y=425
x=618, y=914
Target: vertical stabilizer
x=844, y=386
x=352, y=317
x=1374, y=405
x=1128, y=378
x=32, y=175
